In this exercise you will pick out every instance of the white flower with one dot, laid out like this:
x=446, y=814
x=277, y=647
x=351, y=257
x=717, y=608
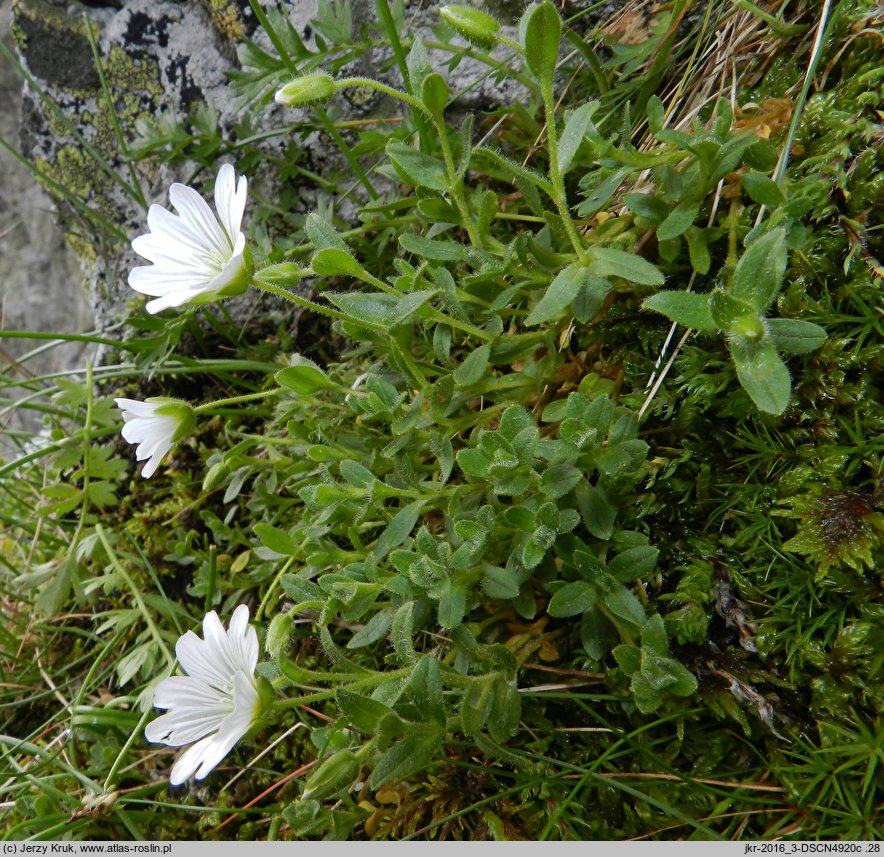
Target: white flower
x=196, y=258
x=154, y=424
x=216, y=703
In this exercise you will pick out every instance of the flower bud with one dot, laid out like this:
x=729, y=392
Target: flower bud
x=279, y=634
x=215, y=475
x=750, y=326
x=334, y=774
x=238, y=279
x=309, y=89
x=475, y=26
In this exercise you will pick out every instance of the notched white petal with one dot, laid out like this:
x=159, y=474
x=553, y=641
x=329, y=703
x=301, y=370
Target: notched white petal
x=216, y=703
x=197, y=255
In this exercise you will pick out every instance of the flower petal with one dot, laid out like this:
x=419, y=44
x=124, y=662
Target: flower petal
x=217, y=702
x=173, y=299
x=199, y=219
x=230, y=201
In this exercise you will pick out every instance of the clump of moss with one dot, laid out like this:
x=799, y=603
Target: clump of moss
x=838, y=528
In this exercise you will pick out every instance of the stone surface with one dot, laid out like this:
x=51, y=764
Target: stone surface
x=164, y=58
x=41, y=284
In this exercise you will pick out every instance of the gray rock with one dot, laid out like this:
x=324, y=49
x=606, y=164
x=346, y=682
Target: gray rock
x=165, y=58
x=41, y=284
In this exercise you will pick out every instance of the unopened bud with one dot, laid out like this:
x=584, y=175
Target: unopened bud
x=475, y=26
x=333, y=775
x=310, y=89
x=279, y=634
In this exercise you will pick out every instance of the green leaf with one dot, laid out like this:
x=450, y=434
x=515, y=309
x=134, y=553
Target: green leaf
x=303, y=376
x=401, y=633
x=608, y=262
x=687, y=308
x=654, y=636
x=452, y=605
x=356, y=474
x=334, y=262
x=377, y=309
x=277, y=540
x=506, y=710
x=698, y=250
x=597, y=509
x=761, y=155
x=406, y=756
x=418, y=64
x=572, y=598
x=371, y=309
x=648, y=697
x=656, y=113
x=624, y=459
x=624, y=605
x=362, y=711
x=474, y=462
x=499, y=583
x=678, y=221
x=417, y=169
x=559, y=479
x=373, y=630
x=648, y=207
x=299, y=588
x=409, y=304
x=633, y=563
x=434, y=92
x=598, y=197
x=628, y=657
x=441, y=251
x=426, y=680
x=322, y=234
x=540, y=32
x=101, y=493
x=794, y=336
x=333, y=775
x=400, y=527
x=597, y=634
x=577, y=123
x=590, y=298
x=762, y=189
x=563, y=289
x=763, y=374
x=472, y=370
x=759, y=273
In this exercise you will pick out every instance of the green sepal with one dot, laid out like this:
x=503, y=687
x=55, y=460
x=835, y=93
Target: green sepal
x=281, y=274
x=179, y=409
x=309, y=89
x=474, y=25
x=236, y=285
